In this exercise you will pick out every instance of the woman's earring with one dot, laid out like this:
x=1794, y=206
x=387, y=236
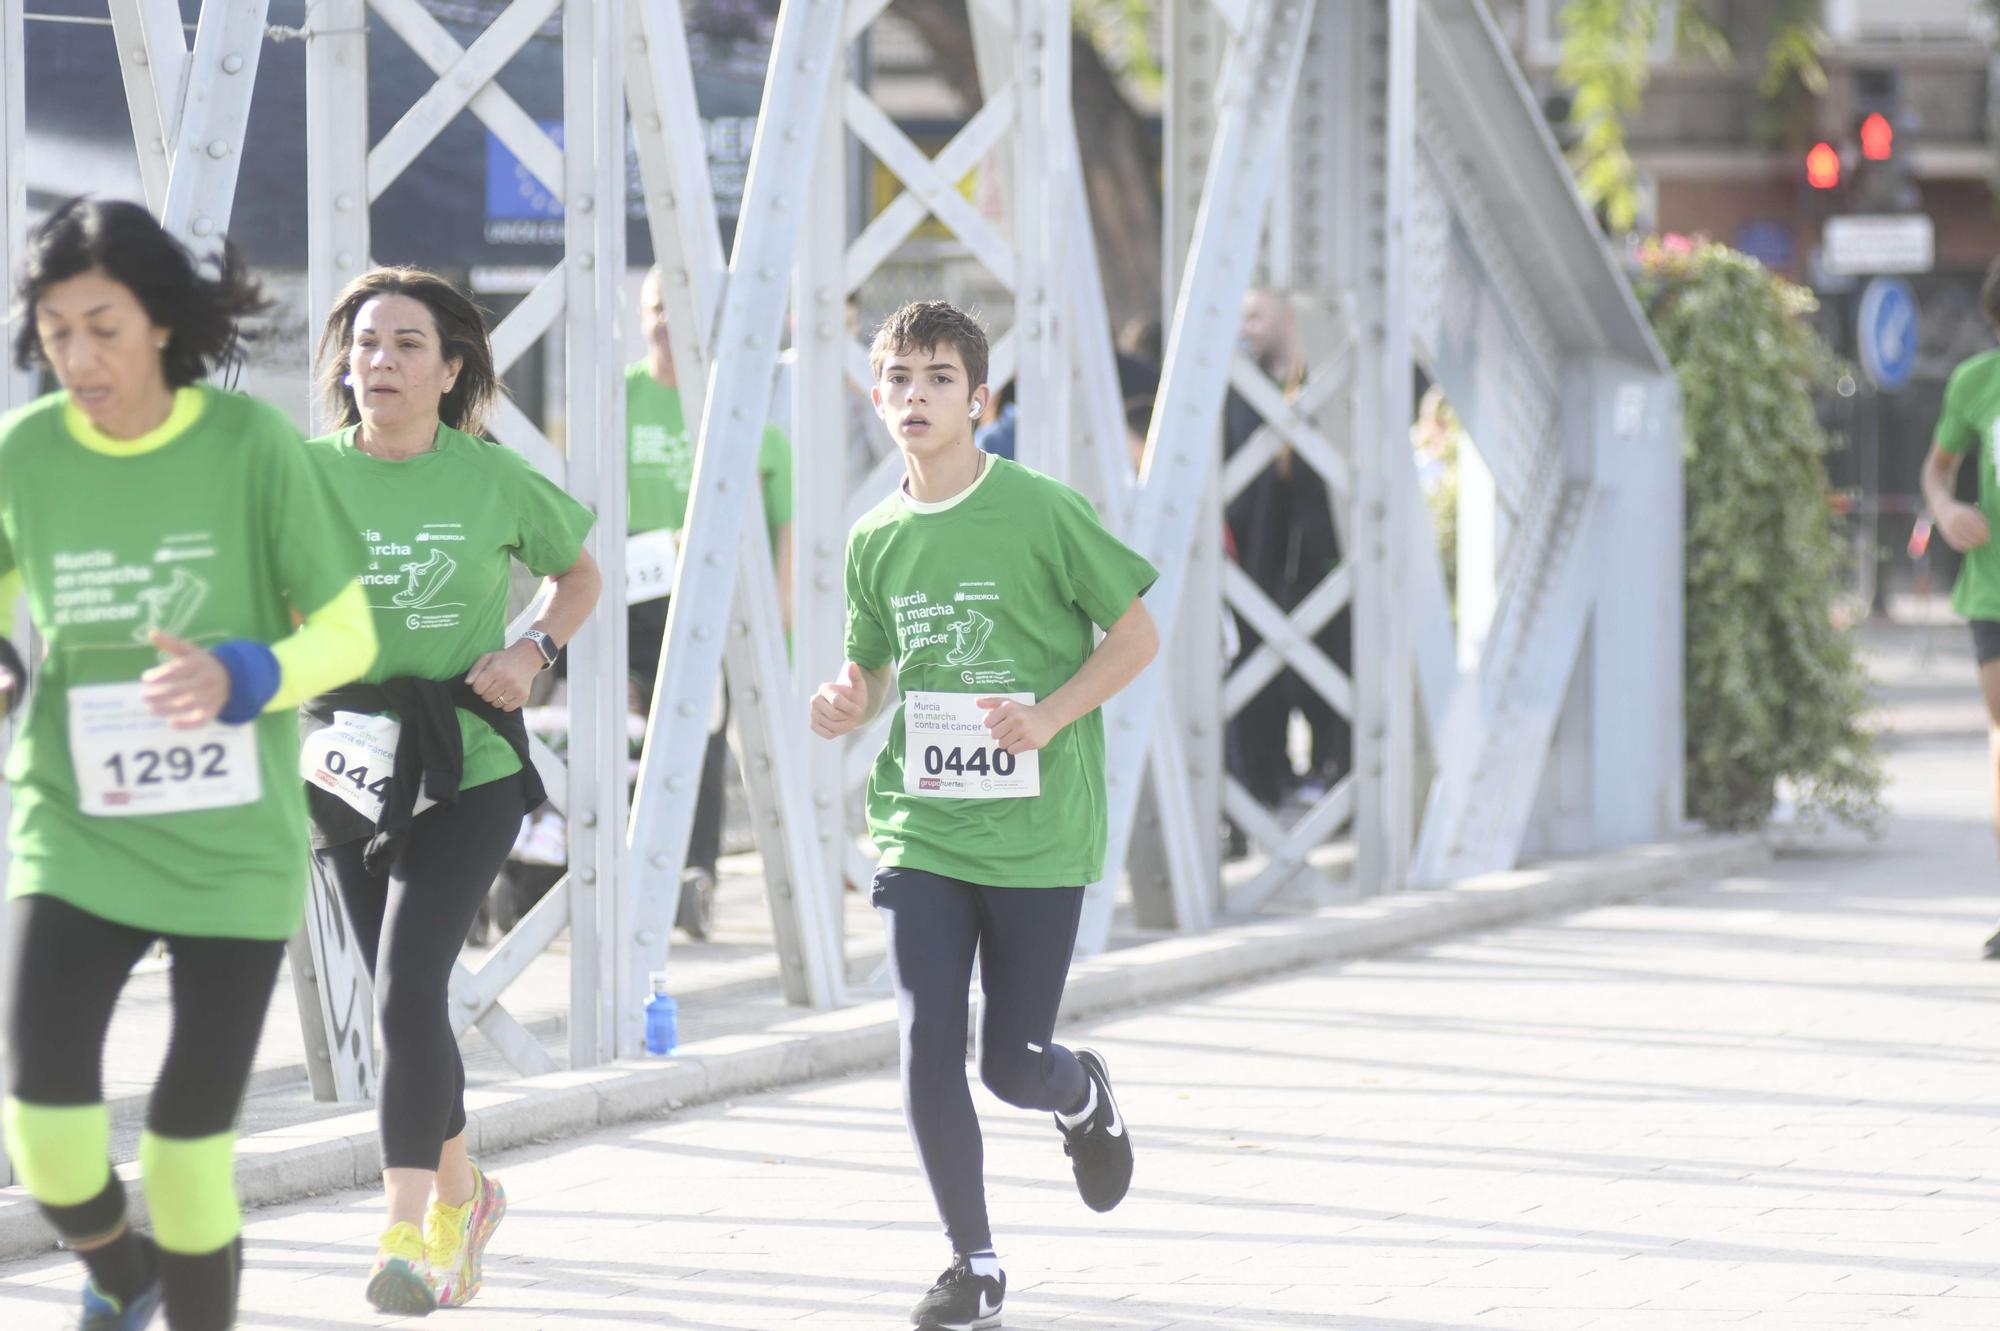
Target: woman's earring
x=348, y=380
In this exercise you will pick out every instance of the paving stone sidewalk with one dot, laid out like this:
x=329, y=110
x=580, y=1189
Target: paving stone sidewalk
x=1766, y=1101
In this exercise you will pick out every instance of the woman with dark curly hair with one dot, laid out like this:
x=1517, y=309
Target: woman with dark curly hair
x=170, y=535
x=407, y=372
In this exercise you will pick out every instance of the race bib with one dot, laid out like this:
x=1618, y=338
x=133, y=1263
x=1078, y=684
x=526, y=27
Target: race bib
x=949, y=754
x=353, y=759
x=130, y=763
x=650, y=558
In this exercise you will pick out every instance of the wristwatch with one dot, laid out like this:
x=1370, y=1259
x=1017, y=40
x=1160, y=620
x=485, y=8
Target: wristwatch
x=543, y=644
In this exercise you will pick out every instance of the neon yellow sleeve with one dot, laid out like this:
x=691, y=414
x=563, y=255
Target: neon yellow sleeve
x=335, y=646
x=10, y=591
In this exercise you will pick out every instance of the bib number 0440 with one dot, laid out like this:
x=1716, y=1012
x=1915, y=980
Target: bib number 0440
x=948, y=753
x=955, y=760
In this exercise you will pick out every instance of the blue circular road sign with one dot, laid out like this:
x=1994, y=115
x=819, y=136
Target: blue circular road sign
x=1887, y=332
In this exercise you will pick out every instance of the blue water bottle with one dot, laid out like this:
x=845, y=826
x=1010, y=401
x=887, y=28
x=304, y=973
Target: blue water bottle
x=661, y=1015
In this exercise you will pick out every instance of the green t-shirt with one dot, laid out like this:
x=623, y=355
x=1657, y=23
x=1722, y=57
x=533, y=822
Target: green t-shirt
x=1971, y=413
x=659, y=465
x=992, y=592
x=439, y=530
x=220, y=533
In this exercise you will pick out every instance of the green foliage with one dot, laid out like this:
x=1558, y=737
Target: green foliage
x=1774, y=689
x=1607, y=63
x=1127, y=34
x=1437, y=438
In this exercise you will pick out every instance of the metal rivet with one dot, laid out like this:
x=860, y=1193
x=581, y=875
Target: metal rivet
x=590, y=875
x=586, y=262
x=647, y=938
x=232, y=64
x=658, y=859
x=204, y=226
x=686, y=709
x=218, y=149
x=589, y=820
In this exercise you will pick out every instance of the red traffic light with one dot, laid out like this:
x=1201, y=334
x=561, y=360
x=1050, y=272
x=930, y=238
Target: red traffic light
x=1823, y=167
x=1878, y=138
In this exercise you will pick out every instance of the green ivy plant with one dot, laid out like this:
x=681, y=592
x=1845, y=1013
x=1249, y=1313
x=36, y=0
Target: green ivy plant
x=1775, y=692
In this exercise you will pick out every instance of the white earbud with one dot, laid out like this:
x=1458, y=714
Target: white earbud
x=974, y=413
x=348, y=380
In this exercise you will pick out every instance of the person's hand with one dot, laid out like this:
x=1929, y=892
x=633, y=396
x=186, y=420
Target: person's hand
x=1964, y=527
x=1018, y=727
x=837, y=707
x=187, y=691
x=504, y=678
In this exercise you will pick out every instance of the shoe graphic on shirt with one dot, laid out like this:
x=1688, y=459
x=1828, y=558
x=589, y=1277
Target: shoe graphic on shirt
x=171, y=609
x=426, y=580
x=972, y=631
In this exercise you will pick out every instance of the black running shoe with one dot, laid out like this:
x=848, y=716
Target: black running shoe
x=962, y=1300
x=1993, y=946
x=1100, y=1152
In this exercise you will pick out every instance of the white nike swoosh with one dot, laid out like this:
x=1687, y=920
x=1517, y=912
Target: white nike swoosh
x=1117, y=1128
x=986, y=1309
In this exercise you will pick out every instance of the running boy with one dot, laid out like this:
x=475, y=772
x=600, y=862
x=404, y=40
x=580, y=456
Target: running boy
x=979, y=582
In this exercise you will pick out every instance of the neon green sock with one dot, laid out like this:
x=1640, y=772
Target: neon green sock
x=191, y=1191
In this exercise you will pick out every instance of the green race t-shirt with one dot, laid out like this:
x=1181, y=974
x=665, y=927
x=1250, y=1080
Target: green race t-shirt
x=220, y=533
x=992, y=592
x=1971, y=413
x=659, y=468
x=440, y=528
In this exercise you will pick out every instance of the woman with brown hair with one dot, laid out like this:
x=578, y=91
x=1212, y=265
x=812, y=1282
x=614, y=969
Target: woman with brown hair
x=419, y=776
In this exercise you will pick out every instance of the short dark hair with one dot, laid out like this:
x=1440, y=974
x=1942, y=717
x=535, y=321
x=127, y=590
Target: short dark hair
x=203, y=315
x=926, y=325
x=1989, y=294
x=461, y=327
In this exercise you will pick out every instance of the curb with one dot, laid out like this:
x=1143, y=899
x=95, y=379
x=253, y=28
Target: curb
x=334, y=1154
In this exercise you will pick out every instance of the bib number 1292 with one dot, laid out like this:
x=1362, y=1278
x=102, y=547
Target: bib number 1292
x=152, y=767
x=130, y=763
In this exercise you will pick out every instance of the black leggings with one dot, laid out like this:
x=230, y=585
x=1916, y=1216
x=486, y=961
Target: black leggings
x=68, y=968
x=410, y=925
x=1023, y=937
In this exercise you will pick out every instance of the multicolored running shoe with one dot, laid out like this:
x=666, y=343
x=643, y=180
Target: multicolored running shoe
x=455, y=1239
x=402, y=1281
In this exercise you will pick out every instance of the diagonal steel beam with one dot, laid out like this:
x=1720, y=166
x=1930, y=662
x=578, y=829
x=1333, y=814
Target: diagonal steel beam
x=153, y=57
x=469, y=72
x=1256, y=98
x=803, y=55
x=207, y=141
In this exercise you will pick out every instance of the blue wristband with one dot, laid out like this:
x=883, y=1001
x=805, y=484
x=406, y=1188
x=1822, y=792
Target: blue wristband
x=254, y=674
